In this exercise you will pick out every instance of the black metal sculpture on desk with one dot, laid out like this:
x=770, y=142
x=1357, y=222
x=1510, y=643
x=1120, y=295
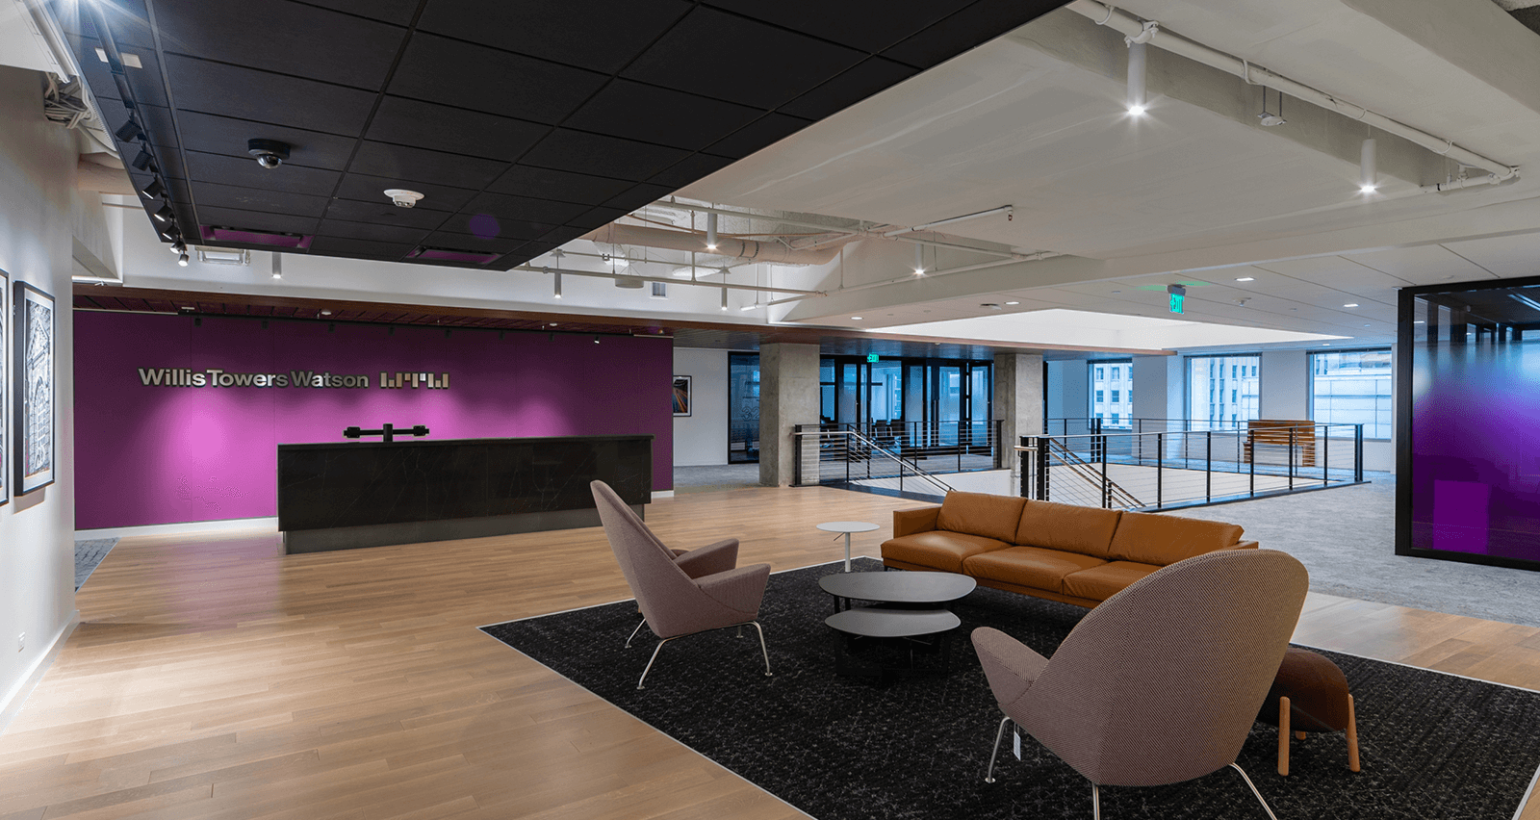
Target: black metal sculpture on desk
x=389, y=431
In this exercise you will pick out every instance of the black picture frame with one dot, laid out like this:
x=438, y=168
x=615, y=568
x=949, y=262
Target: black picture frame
x=34, y=367
x=684, y=397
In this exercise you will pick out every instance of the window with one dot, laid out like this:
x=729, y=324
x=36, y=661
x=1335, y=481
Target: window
x=1223, y=390
x=1116, y=377
x=1352, y=387
x=1114, y=419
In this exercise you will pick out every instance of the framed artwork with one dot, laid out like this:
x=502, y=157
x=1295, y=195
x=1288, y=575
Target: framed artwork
x=32, y=449
x=5, y=473
x=682, y=404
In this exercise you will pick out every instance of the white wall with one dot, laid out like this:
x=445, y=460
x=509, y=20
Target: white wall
x=1069, y=389
x=37, y=558
x=701, y=438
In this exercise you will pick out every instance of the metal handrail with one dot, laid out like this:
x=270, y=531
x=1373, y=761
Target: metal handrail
x=1111, y=490
x=875, y=447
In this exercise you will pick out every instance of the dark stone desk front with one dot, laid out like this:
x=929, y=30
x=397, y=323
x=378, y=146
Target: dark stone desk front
x=367, y=494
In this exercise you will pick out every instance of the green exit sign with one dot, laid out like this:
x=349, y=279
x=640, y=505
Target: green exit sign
x=872, y=358
x=1178, y=295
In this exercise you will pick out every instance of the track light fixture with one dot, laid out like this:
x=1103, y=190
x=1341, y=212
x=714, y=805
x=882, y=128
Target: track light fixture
x=171, y=234
x=1367, y=172
x=143, y=160
x=711, y=232
x=155, y=190
x=129, y=131
x=919, y=260
x=724, y=297
x=1136, y=61
x=182, y=259
x=179, y=247
x=164, y=214
x=558, y=284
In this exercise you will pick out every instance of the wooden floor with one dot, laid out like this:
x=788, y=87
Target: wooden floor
x=214, y=677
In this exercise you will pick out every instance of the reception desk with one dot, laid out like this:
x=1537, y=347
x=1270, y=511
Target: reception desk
x=369, y=494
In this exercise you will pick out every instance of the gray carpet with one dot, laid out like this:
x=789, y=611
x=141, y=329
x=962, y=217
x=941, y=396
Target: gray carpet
x=1346, y=538
x=711, y=479
x=88, y=554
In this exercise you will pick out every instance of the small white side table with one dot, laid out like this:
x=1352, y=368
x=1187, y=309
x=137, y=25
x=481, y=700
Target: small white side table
x=847, y=527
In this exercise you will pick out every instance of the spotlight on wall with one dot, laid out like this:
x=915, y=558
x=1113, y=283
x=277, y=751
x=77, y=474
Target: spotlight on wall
x=1367, y=172
x=182, y=259
x=129, y=130
x=711, y=232
x=155, y=190
x=143, y=159
x=164, y=214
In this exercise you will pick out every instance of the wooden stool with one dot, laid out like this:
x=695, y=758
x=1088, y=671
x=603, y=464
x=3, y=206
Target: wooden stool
x=1310, y=694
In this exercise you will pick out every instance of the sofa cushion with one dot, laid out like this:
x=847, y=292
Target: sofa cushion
x=1105, y=581
x=1033, y=567
x=1068, y=527
x=992, y=516
x=939, y=549
x=1151, y=538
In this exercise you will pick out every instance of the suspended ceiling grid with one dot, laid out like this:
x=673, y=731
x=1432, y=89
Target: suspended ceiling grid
x=525, y=124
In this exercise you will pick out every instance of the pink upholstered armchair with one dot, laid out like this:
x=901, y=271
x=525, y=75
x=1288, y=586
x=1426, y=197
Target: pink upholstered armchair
x=1161, y=683
x=681, y=594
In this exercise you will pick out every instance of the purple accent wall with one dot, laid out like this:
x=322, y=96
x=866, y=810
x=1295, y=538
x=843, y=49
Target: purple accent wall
x=161, y=455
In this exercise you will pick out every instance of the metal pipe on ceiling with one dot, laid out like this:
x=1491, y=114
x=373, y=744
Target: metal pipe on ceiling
x=617, y=234
x=1131, y=27
x=938, y=223
x=667, y=280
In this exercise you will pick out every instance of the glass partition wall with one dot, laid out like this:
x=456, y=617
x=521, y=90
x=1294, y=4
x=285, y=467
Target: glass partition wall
x=742, y=408
x=929, y=401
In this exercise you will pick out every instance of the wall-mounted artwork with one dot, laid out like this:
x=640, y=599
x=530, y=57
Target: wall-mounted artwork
x=5, y=474
x=34, y=450
x=682, y=395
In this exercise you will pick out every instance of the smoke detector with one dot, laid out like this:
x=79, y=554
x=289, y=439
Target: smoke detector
x=402, y=197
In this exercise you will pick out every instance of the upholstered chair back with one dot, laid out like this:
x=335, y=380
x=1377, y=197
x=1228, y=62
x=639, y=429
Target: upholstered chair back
x=667, y=597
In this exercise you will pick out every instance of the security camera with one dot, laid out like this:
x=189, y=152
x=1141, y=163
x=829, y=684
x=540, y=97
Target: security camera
x=402, y=197
x=269, y=153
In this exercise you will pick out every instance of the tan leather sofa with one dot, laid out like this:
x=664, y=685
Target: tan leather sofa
x=1062, y=552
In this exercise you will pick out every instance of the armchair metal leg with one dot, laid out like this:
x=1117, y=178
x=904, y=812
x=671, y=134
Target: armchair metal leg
x=1096, y=802
x=989, y=776
x=634, y=631
x=762, y=649
x=650, y=662
x=1265, y=807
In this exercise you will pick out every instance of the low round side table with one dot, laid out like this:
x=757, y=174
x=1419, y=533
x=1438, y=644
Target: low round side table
x=847, y=527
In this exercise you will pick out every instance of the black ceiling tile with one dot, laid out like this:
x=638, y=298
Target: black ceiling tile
x=372, y=189
x=504, y=206
x=419, y=164
x=425, y=125
x=384, y=213
x=971, y=27
x=154, y=119
x=256, y=199
x=650, y=114
x=497, y=82
x=255, y=221
x=599, y=34
x=232, y=91
x=640, y=195
x=869, y=25
x=548, y=183
x=721, y=55
x=606, y=156
x=247, y=173
x=490, y=227
x=228, y=136
x=368, y=257
x=756, y=135
x=307, y=42
x=145, y=82
x=127, y=18
x=466, y=242
x=696, y=167
x=398, y=12
x=369, y=230
x=340, y=245
x=599, y=216
x=869, y=77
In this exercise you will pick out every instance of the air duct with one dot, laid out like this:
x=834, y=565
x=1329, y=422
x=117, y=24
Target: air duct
x=614, y=234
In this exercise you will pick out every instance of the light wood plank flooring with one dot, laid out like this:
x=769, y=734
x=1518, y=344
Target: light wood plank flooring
x=213, y=677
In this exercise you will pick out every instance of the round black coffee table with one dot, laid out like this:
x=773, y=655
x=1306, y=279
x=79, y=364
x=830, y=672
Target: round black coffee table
x=899, y=589
x=902, y=633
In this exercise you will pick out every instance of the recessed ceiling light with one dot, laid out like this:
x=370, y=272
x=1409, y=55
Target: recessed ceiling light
x=990, y=305
x=856, y=318
x=1351, y=304
x=1246, y=279
x=1013, y=303
x=326, y=313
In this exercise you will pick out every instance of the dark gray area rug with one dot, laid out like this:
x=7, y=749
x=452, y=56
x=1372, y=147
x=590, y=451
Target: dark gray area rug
x=1433, y=745
x=88, y=554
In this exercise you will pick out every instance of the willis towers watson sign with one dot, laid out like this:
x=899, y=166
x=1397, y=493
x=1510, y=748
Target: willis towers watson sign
x=305, y=379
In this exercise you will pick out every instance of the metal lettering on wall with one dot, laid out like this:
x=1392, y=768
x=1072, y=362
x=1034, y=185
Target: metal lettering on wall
x=213, y=377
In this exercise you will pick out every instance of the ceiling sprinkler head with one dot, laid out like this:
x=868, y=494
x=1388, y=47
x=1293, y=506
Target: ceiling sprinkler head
x=402, y=197
x=269, y=153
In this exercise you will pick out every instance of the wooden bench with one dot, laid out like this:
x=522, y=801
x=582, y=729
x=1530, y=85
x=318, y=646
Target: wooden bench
x=1273, y=436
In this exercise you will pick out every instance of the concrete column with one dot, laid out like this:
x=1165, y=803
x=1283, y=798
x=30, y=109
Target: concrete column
x=788, y=396
x=1018, y=400
x=1160, y=387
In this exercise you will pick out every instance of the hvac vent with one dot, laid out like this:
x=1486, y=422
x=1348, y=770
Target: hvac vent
x=218, y=235
x=224, y=256
x=660, y=290
x=454, y=255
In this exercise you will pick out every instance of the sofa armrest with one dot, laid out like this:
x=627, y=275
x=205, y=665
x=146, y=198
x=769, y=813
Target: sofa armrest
x=1243, y=545
x=909, y=522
